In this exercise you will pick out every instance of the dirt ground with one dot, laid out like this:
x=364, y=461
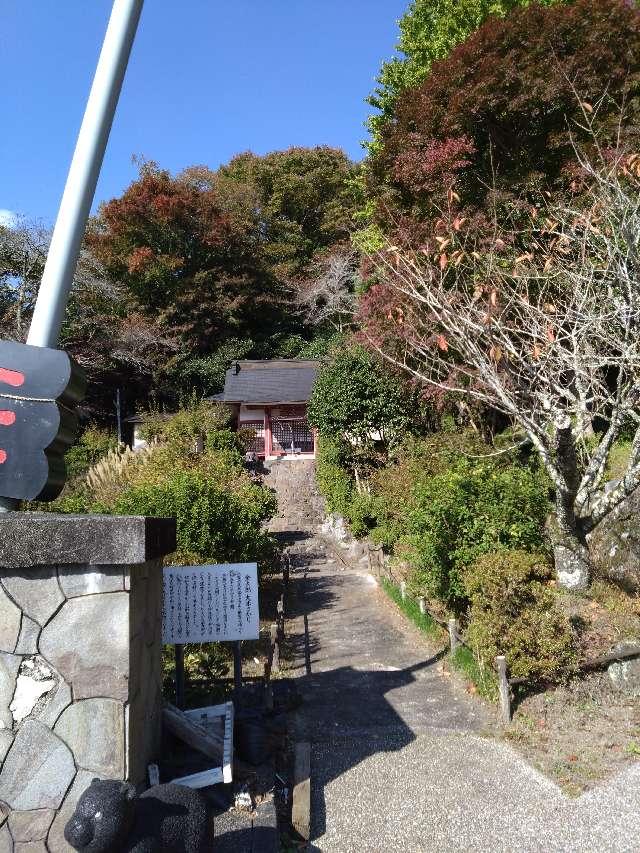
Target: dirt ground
x=578, y=734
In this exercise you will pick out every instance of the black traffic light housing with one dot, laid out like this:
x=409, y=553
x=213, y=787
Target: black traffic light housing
x=40, y=389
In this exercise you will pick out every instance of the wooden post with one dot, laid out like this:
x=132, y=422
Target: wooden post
x=180, y=683
x=307, y=646
x=268, y=687
x=301, y=799
x=505, y=691
x=422, y=604
x=237, y=670
x=280, y=618
x=275, y=648
x=453, y=635
x=268, y=697
x=403, y=590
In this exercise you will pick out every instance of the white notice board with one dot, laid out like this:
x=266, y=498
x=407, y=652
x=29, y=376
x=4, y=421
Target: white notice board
x=202, y=604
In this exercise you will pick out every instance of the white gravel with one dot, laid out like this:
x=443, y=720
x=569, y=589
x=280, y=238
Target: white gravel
x=462, y=793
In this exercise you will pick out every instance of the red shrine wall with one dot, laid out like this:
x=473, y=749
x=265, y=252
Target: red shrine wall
x=281, y=431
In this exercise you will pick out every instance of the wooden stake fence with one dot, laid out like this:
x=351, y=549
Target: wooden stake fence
x=506, y=684
x=276, y=638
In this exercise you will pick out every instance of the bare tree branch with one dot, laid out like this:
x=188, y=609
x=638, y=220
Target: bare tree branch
x=328, y=296
x=550, y=338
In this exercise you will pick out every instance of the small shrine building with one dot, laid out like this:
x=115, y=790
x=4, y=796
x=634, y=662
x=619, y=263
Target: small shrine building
x=270, y=398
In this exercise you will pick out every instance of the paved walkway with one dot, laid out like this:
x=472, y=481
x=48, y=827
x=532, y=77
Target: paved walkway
x=398, y=759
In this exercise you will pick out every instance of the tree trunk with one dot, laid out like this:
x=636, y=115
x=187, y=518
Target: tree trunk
x=570, y=550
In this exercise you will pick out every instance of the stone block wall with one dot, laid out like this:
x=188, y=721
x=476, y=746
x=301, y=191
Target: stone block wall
x=80, y=665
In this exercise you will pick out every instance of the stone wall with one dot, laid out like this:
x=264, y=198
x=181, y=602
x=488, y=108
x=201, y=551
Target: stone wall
x=358, y=552
x=80, y=664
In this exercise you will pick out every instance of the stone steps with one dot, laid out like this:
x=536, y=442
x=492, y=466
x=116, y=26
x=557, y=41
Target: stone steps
x=300, y=505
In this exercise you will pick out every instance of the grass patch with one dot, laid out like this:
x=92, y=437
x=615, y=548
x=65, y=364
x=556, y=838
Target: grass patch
x=410, y=608
x=484, y=679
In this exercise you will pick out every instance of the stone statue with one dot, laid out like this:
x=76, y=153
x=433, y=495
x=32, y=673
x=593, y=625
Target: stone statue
x=111, y=818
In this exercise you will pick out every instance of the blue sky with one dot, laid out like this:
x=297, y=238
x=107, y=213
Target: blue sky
x=207, y=79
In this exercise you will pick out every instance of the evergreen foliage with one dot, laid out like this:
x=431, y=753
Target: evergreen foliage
x=356, y=398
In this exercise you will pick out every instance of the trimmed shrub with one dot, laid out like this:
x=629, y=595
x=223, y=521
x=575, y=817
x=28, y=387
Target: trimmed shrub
x=465, y=512
x=355, y=395
x=514, y=612
x=214, y=524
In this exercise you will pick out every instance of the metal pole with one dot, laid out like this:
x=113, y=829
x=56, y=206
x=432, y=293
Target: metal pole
x=119, y=415
x=83, y=174
x=79, y=190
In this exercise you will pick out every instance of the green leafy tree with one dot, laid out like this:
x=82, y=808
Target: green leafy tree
x=300, y=200
x=358, y=399
x=429, y=31
x=211, y=257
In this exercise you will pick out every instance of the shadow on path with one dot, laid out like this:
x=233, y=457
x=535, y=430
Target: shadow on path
x=348, y=718
x=366, y=688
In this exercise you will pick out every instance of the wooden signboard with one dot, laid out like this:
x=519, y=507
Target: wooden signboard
x=39, y=391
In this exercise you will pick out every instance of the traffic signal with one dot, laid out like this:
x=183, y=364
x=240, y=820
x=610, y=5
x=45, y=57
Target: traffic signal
x=39, y=391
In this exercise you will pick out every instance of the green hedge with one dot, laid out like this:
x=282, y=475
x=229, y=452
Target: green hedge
x=469, y=510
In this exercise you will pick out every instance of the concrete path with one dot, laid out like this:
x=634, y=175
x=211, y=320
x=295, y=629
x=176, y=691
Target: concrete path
x=398, y=759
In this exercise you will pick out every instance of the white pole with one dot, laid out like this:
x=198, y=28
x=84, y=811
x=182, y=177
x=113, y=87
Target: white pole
x=83, y=174
x=81, y=180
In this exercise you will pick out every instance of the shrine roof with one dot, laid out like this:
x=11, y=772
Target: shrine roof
x=275, y=381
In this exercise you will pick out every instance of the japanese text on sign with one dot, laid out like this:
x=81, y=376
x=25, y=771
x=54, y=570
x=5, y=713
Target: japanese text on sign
x=202, y=604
